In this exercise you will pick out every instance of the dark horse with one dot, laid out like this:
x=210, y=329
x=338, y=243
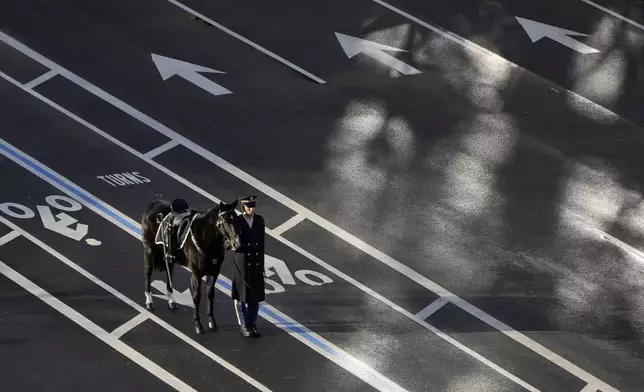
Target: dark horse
x=201, y=239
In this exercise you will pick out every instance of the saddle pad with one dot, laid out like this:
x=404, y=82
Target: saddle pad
x=184, y=235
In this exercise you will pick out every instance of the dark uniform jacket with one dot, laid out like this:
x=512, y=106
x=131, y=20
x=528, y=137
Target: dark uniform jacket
x=248, y=271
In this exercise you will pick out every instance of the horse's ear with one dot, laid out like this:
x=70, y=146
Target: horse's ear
x=234, y=204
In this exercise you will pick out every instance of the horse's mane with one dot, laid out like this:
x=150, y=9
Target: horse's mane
x=208, y=214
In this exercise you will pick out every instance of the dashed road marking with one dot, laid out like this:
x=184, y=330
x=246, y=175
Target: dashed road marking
x=590, y=388
x=161, y=149
x=95, y=330
x=129, y=325
x=9, y=237
x=41, y=79
x=432, y=308
x=289, y=224
x=128, y=301
x=248, y=42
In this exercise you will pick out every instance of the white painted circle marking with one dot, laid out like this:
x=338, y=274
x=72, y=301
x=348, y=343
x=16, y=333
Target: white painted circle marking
x=26, y=211
x=54, y=201
x=302, y=275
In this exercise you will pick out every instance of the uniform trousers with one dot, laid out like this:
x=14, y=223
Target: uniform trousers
x=246, y=313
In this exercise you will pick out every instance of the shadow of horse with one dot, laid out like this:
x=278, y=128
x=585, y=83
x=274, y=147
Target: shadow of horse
x=200, y=242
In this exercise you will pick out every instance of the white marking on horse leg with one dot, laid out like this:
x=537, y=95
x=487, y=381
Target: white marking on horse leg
x=170, y=298
x=148, y=298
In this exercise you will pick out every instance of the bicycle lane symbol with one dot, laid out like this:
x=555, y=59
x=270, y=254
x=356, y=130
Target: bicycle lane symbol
x=60, y=223
x=274, y=266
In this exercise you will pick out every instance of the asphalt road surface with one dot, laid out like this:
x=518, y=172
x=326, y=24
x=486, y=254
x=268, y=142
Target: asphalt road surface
x=450, y=217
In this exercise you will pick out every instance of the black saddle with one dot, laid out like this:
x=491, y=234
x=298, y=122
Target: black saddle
x=175, y=227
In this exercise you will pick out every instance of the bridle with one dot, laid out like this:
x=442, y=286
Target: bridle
x=219, y=224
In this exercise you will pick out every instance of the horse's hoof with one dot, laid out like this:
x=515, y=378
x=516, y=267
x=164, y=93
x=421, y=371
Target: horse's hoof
x=213, y=325
x=198, y=329
x=149, y=307
x=172, y=305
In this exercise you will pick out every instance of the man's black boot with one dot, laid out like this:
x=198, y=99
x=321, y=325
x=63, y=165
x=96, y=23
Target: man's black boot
x=245, y=331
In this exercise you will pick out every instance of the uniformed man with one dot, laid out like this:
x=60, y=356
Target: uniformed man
x=248, y=275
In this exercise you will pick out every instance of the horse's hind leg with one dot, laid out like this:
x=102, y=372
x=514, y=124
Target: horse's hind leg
x=210, y=289
x=148, y=262
x=195, y=288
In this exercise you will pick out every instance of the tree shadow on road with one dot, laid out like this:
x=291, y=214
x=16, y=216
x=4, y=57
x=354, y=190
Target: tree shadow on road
x=493, y=182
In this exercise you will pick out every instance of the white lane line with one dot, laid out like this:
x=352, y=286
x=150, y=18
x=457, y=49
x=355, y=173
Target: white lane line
x=346, y=361
x=131, y=227
x=249, y=42
x=289, y=224
x=264, y=188
x=95, y=330
x=615, y=14
x=289, y=325
x=127, y=300
x=161, y=149
x=41, y=79
x=624, y=245
x=8, y=237
x=447, y=34
x=432, y=308
x=405, y=313
x=129, y=325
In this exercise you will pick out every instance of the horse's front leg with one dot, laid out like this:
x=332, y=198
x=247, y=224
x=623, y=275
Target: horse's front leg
x=210, y=289
x=195, y=288
x=168, y=278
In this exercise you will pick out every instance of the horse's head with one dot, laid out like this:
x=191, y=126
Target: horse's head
x=226, y=225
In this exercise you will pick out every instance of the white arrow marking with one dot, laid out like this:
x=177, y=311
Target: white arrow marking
x=61, y=226
x=280, y=268
x=276, y=287
x=169, y=67
x=537, y=30
x=181, y=297
x=352, y=46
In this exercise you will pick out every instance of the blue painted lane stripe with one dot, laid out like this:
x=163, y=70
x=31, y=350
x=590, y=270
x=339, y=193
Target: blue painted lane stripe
x=75, y=190
x=374, y=377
